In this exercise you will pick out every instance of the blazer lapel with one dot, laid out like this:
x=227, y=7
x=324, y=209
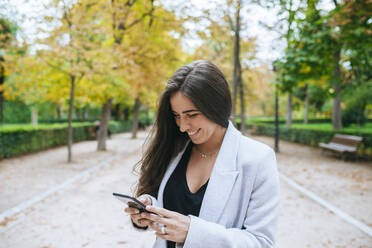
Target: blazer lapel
x=223, y=177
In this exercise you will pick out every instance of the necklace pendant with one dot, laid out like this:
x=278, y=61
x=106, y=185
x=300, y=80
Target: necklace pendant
x=203, y=155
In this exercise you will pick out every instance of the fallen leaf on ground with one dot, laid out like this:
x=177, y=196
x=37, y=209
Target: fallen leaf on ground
x=6, y=221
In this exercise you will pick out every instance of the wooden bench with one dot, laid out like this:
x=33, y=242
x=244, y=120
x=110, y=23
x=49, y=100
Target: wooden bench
x=343, y=144
x=91, y=132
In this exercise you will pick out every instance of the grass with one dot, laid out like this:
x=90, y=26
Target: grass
x=30, y=127
x=367, y=128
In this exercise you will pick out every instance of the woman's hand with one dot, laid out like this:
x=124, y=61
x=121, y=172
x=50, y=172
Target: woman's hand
x=135, y=213
x=174, y=226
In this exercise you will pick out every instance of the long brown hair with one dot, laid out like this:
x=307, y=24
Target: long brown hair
x=205, y=85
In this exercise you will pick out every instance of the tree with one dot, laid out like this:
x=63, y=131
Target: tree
x=224, y=38
x=70, y=49
x=237, y=72
x=7, y=46
x=356, y=103
x=145, y=35
x=326, y=44
x=352, y=32
x=287, y=13
x=300, y=66
x=33, y=82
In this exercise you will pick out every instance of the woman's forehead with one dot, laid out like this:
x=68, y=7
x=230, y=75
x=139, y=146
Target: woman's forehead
x=181, y=103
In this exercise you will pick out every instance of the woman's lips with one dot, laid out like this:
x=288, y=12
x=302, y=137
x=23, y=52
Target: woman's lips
x=193, y=134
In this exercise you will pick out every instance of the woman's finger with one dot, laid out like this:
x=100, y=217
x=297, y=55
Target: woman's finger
x=144, y=222
x=161, y=211
x=158, y=219
x=145, y=199
x=163, y=236
x=159, y=231
x=157, y=227
x=136, y=219
x=130, y=210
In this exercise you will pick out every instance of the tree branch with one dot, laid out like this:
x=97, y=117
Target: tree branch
x=56, y=67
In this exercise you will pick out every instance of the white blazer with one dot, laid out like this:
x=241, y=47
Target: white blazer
x=241, y=203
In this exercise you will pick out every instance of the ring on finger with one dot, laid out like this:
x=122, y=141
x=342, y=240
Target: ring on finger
x=163, y=230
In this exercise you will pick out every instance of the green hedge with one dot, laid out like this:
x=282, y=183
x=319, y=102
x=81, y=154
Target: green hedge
x=52, y=121
x=19, y=141
x=295, y=121
x=314, y=137
x=120, y=127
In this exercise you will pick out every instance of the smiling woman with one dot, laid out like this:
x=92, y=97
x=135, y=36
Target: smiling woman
x=197, y=126
x=209, y=185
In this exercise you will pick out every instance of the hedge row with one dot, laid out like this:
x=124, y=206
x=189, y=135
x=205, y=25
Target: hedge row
x=52, y=121
x=314, y=137
x=299, y=121
x=19, y=142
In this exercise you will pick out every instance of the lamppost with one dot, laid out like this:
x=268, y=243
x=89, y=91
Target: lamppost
x=276, y=123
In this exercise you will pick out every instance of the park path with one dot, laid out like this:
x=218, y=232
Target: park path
x=347, y=185
x=84, y=213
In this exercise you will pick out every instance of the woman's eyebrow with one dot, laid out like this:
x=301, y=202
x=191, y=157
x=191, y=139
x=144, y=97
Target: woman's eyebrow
x=186, y=111
x=191, y=110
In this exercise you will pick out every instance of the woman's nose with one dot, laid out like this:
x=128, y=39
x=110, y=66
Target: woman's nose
x=184, y=125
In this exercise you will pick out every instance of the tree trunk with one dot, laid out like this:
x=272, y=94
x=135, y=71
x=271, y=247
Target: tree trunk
x=78, y=113
x=289, y=110
x=117, y=112
x=59, y=110
x=2, y=80
x=104, y=123
x=84, y=113
x=137, y=105
x=126, y=114
x=276, y=123
x=34, y=115
x=263, y=107
x=307, y=101
x=70, y=109
x=336, y=107
x=237, y=69
x=242, y=106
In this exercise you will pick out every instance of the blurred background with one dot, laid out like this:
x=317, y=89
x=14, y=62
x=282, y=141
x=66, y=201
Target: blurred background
x=90, y=72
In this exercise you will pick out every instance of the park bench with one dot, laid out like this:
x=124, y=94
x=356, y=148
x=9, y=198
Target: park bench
x=253, y=130
x=343, y=144
x=92, y=132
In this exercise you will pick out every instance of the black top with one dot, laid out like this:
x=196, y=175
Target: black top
x=177, y=196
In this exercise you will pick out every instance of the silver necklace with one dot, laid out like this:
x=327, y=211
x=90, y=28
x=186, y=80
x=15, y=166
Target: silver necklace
x=205, y=155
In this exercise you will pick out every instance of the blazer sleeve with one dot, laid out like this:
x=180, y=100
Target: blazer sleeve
x=260, y=220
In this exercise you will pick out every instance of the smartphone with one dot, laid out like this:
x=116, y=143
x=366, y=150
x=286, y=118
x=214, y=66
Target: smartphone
x=132, y=202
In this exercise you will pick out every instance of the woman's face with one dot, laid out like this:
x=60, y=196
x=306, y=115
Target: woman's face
x=190, y=120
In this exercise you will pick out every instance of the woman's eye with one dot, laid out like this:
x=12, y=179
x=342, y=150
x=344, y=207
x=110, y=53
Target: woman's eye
x=176, y=116
x=192, y=115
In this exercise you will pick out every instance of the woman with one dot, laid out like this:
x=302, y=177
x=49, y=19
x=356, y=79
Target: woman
x=209, y=185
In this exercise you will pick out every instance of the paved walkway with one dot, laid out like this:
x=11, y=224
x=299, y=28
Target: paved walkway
x=83, y=213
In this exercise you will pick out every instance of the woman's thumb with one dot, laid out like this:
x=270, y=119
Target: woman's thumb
x=145, y=199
